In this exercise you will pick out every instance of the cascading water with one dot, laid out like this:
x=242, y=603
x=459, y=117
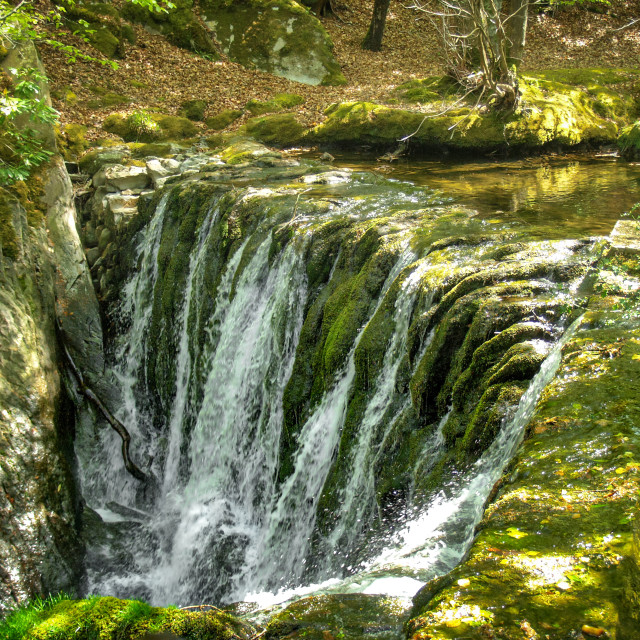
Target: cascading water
x=226, y=522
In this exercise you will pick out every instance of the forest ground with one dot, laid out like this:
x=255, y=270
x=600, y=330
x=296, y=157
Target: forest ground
x=164, y=76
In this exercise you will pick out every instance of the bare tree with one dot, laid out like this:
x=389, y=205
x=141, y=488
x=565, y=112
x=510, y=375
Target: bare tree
x=483, y=43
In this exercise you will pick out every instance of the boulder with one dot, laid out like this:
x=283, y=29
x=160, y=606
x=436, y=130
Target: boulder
x=277, y=36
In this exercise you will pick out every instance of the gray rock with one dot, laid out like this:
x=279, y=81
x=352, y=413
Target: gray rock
x=159, y=169
x=121, y=177
x=93, y=255
x=105, y=238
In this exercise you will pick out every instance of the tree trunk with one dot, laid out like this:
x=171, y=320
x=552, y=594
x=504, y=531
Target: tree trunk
x=373, y=39
x=516, y=29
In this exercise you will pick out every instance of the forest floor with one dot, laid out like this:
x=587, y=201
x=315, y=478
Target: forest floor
x=158, y=76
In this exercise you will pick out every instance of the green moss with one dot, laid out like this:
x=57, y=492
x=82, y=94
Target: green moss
x=179, y=24
x=428, y=90
x=72, y=140
x=108, y=618
x=551, y=111
x=223, y=119
x=106, y=98
x=629, y=141
x=281, y=129
x=193, y=109
x=279, y=102
x=9, y=239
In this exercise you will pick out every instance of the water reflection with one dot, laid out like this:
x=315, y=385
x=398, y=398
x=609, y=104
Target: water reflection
x=560, y=197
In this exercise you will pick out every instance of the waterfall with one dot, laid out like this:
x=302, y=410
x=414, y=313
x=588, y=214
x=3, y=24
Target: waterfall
x=223, y=525
x=435, y=540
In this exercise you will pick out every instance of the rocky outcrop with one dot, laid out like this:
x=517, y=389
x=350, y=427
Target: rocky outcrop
x=43, y=277
x=39, y=549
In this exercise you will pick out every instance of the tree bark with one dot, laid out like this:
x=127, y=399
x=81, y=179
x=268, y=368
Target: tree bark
x=516, y=29
x=373, y=40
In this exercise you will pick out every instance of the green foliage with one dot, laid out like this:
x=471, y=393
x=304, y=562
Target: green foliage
x=20, y=147
x=16, y=625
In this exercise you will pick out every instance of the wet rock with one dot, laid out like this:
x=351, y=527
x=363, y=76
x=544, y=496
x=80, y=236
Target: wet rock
x=349, y=616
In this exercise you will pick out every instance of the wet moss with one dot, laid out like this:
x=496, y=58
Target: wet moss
x=629, y=141
x=555, y=548
x=149, y=127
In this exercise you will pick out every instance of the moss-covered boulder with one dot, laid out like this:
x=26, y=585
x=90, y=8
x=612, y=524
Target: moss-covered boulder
x=279, y=129
x=193, y=109
x=277, y=36
x=629, y=141
x=109, y=618
x=106, y=98
x=179, y=24
x=279, y=102
x=552, y=112
x=100, y=24
x=223, y=119
x=142, y=126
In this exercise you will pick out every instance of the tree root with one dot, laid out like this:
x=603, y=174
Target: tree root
x=90, y=395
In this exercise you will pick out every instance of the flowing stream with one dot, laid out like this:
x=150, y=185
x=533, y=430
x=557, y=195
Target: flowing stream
x=227, y=523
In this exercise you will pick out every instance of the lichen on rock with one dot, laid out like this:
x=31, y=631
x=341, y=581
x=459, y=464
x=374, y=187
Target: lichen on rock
x=278, y=36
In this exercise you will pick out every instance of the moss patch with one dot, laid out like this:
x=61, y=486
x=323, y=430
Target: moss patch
x=279, y=102
x=108, y=618
x=223, y=119
x=281, y=129
x=551, y=111
x=72, y=140
x=142, y=126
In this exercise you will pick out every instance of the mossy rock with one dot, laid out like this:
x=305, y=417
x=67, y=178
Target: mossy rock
x=557, y=546
x=193, y=110
x=223, y=119
x=106, y=98
x=281, y=129
x=277, y=36
x=93, y=161
x=279, y=102
x=629, y=141
x=107, y=618
x=9, y=225
x=72, y=140
x=550, y=112
x=179, y=24
x=149, y=127
x=66, y=95
x=241, y=151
